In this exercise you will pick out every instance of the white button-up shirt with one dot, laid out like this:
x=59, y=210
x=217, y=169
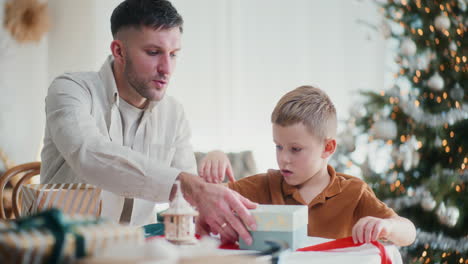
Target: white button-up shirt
x=84, y=143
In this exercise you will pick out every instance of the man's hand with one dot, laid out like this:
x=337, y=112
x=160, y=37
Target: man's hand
x=370, y=228
x=203, y=229
x=214, y=166
x=222, y=211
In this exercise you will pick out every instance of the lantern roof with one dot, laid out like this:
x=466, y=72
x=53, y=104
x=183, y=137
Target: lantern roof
x=179, y=206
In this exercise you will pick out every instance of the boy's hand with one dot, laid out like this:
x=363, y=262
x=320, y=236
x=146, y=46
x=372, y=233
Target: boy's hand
x=214, y=166
x=370, y=228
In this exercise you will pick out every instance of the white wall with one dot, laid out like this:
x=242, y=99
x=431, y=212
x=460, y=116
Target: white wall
x=23, y=84
x=239, y=57
x=80, y=37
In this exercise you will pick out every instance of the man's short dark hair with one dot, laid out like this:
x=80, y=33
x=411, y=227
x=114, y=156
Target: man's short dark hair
x=158, y=14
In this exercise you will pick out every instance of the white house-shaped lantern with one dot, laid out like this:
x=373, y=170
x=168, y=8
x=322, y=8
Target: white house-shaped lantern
x=179, y=220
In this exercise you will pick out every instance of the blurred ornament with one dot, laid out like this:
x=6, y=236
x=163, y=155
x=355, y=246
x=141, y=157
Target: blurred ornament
x=442, y=22
x=449, y=216
x=394, y=91
x=408, y=47
x=397, y=156
x=384, y=129
x=404, y=85
x=462, y=5
x=405, y=63
x=366, y=168
x=415, y=92
x=386, y=110
x=392, y=177
x=453, y=46
x=457, y=93
x=422, y=62
x=441, y=210
x=386, y=30
x=428, y=203
x=416, y=23
x=411, y=156
x=438, y=142
x=358, y=110
x=453, y=213
x=348, y=141
x=26, y=20
x=436, y=83
x=398, y=29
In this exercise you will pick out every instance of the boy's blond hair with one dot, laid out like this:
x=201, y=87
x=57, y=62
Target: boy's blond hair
x=310, y=106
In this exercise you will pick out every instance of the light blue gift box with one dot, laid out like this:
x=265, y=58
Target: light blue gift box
x=286, y=223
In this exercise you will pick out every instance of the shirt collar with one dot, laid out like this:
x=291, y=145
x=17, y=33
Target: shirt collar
x=107, y=75
x=333, y=188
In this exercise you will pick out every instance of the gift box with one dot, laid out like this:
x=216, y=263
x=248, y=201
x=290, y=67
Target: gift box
x=51, y=237
x=287, y=223
x=71, y=199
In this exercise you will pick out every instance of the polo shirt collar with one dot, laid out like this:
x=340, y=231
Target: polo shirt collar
x=333, y=188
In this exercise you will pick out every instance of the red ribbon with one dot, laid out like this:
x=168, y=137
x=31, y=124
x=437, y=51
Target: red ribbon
x=347, y=243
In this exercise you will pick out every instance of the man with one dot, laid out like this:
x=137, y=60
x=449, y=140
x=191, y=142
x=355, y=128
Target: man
x=117, y=130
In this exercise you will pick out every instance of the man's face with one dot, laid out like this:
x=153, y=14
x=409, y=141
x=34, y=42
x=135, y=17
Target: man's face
x=150, y=60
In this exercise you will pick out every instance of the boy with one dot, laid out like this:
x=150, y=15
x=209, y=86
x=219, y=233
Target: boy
x=304, y=129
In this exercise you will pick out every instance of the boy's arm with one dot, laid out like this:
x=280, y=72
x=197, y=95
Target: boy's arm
x=396, y=229
x=375, y=220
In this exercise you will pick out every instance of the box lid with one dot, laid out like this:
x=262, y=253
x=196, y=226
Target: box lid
x=280, y=217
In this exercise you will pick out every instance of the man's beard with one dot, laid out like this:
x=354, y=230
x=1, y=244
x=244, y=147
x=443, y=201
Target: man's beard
x=141, y=86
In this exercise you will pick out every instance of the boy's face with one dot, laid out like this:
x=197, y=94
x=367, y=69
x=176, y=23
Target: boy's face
x=300, y=155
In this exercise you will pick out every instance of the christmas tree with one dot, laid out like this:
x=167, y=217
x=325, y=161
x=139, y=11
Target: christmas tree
x=409, y=142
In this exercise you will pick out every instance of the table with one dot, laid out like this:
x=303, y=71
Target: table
x=158, y=250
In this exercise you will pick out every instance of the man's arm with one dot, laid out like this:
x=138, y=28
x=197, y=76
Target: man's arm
x=92, y=156
x=377, y=221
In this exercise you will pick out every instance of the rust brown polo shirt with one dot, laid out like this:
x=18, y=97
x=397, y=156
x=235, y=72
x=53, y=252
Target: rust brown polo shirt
x=332, y=213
